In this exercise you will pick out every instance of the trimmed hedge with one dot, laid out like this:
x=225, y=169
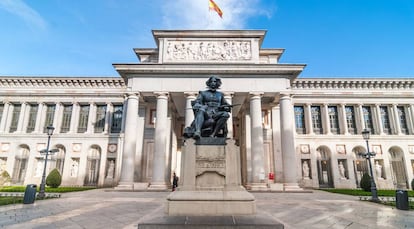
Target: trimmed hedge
x=366, y=182
x=54, y=179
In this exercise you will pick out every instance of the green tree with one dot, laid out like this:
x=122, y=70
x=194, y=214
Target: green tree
x=366, y=182
x=54, y=179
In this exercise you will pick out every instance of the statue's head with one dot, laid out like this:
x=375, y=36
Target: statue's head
x=214, y=82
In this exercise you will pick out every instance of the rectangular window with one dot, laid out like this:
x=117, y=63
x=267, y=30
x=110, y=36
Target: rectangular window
x=50, y=113
x=66, y=118
x=83, y=118
x=385, y=119
x=403, y=119
x=316, y=119
x=300, y=119
x=350, y=119
x=32, y=118
x=15, y=117
x=100, y=118
x=117, y=119
x=333, y=119
x=367, y=114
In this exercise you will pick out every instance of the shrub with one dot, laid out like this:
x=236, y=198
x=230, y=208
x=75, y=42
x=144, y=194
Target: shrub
x=54, y=179
x=366, y=182
x=412, y=184
x=4, y=178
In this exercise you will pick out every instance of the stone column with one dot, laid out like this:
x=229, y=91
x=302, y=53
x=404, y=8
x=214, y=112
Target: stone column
x=325, y=119
x=5, y=117
x=9, y=117
x=57, y=118
x=40, y=121
x=160, y=140
x=288, y=144
x=189, y=113
x=22, y=116
x=308, y=119
x=396, y=119
x=411, y=118
x=74, y=119
x=228, y=97
x=379, y=120
x=343, y=120
x=126, y=180
x=26, y=117
x=258, y=172
x=109, y=109
x=360, y=117
x=91, y=118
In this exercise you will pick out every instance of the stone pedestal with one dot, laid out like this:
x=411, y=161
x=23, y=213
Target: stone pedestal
x=211, y=182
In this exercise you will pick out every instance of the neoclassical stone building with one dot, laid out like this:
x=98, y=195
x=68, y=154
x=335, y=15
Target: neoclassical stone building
x=126, y=131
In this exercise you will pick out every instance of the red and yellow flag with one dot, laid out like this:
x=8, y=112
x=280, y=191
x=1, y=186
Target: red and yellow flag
x=213, y=6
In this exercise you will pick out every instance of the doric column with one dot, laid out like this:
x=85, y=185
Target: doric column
x=189, y=113
x=258, y=172
x=396, y=119
x=130, y=141
x=9, y=117
x=228, y=97
x=308, y=119
x=74, y=119
x=360, y=117
x=379, y=119
x=160, y=141
x=288, y=143
x=5, y=117
x=91, y=118
x=325, y=118
x=109, y=110
x=57, y=118
x=26, y=117
x=411, y=118
x=22, y=117
x=343, y=122
x=41, y=119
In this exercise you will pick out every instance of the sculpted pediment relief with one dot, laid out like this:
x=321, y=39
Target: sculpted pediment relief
x=210, y=51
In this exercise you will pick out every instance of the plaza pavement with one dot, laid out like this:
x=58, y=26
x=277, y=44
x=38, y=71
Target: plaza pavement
x=105, y=208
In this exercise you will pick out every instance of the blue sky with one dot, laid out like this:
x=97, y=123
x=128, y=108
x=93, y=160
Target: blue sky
x=337, y=38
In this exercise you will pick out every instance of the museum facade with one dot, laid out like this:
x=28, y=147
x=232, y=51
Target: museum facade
x=126, y=132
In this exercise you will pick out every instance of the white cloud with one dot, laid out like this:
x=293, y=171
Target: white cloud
x=21, y=9
x=194, y=14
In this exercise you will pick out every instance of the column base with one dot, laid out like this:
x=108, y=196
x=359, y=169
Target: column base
x=141, y=186
x=158, y=187
x=125, y=186
x=258, y=187
x=292, y=187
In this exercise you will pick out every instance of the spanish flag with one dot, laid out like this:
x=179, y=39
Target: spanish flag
x=213, y=6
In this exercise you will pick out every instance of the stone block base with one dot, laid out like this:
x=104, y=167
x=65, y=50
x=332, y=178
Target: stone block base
x=207, y=222
x=124, y=187
x=210, y=203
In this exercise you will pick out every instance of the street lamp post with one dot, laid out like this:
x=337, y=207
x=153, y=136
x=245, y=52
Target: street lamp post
x=365, y=134
x=46, y=151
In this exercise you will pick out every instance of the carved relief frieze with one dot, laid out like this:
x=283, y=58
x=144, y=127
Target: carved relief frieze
x=198, y=51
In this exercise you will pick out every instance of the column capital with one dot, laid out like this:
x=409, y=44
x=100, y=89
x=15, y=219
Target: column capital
x=190, y=93
x=228, y=94
x=132, y=95
x=161, y=94
x=256, y=94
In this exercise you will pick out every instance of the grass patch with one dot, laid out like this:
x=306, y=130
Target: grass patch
x=47, y=189
x=381, y=193
x=360, y=192
x=5, y=200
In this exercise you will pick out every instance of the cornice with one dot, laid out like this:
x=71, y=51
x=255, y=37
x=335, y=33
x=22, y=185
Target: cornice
x=62, y=82
x=353, y=84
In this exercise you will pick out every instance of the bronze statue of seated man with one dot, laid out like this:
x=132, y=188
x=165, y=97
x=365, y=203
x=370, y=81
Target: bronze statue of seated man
x=211, y=112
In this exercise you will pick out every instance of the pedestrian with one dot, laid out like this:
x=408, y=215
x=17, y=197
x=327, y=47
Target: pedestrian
x=175, y=182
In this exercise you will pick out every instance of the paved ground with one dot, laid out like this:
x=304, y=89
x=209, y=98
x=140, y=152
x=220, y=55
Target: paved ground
x=111, y=209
